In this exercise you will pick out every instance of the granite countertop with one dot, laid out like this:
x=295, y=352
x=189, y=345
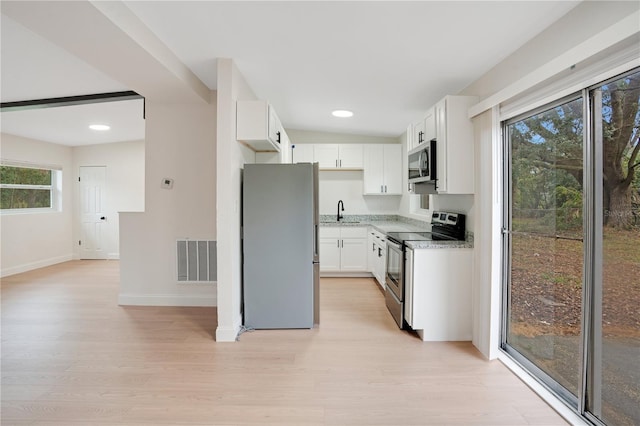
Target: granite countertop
x=395, y=223
x=383, y=223
x=417, y=245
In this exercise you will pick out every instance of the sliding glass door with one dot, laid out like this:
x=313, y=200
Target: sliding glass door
x=572, y=248
x=613, y=378
x=543, y=327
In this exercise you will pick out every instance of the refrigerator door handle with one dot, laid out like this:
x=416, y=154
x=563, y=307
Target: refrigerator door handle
x=316, y=246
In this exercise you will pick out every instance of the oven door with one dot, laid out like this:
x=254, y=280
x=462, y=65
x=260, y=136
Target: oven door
x=395, y=268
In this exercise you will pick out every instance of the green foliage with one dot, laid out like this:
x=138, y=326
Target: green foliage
x=547, y=159
x=24, y=176
x=547, y=168
x=569, y=212
x=12, y=198
x=22, y=198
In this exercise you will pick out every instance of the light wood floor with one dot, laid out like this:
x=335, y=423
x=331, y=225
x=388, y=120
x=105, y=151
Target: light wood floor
x=71, y=356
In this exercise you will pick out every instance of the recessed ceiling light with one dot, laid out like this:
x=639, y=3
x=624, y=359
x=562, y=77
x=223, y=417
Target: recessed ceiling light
x=99, y=127
x=342, y=113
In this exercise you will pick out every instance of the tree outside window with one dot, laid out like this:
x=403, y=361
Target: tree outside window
x=25, y=188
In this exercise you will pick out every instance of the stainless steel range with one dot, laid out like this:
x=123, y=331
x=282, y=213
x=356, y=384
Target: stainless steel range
x=445, y=226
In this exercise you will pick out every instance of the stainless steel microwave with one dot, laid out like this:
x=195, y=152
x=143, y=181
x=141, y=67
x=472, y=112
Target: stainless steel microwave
x=422, y=163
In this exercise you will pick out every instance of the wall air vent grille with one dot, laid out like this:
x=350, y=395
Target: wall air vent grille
x=196, y=261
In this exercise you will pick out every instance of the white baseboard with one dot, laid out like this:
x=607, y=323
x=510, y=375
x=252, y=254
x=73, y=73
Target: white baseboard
x=5, y=272
x=167, y=300
x=113, y=256
x=226, y=334
x=229, y=333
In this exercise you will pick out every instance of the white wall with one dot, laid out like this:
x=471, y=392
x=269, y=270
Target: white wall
x=231, y=157
x=576, y=29
x=124, y=162
x=34, y=240
x=348, y=187
x=486, y=286
x=180, y=143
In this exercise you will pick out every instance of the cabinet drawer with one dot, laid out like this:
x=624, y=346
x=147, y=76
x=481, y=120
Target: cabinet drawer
x=329, y=232
x=353, y=232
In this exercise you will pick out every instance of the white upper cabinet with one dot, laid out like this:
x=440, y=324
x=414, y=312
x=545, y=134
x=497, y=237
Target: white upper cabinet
x=383, y=169
x=338, y=156
x=455, y=146
x=417, y=136
x=326, y=155
x=430, y=125
x=258, y=126
x=423, y=130
x=285, y=146
x=302, y=153
x=351, y=156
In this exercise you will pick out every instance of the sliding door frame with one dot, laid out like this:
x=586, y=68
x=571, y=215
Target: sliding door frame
x=588, y=401
x=571, y=400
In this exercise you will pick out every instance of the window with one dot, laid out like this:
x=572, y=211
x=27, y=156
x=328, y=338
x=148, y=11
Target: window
x=572, y=248
x=25, y=188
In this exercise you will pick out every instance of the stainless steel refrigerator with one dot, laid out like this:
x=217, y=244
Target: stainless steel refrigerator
x=281, y=270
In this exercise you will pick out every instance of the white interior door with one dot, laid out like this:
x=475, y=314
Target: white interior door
x=92, y=212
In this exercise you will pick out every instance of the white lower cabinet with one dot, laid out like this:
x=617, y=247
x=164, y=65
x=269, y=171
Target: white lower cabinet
x=343, y=249
x=353, y=256
x=329, y=254
x=438, y=293
x=377, y=255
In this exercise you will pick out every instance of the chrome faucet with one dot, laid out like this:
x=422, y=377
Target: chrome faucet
x=339, y=215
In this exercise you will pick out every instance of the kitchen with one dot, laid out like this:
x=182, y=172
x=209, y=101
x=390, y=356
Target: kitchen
x=208, y=156
x=435, y=164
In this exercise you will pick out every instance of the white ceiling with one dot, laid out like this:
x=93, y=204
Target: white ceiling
x=387, y=61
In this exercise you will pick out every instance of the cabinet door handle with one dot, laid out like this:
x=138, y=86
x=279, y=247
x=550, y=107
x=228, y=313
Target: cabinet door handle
x=278, y=137
x=336, y=163
x=373, y=246
x=379, y=252
x=381, y=190
x=385, y=188
x=338, y=243
x=340, y=163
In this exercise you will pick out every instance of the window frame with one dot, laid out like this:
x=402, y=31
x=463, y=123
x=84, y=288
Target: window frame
x=55, y=189
x=581, y=404
x=546, y=380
